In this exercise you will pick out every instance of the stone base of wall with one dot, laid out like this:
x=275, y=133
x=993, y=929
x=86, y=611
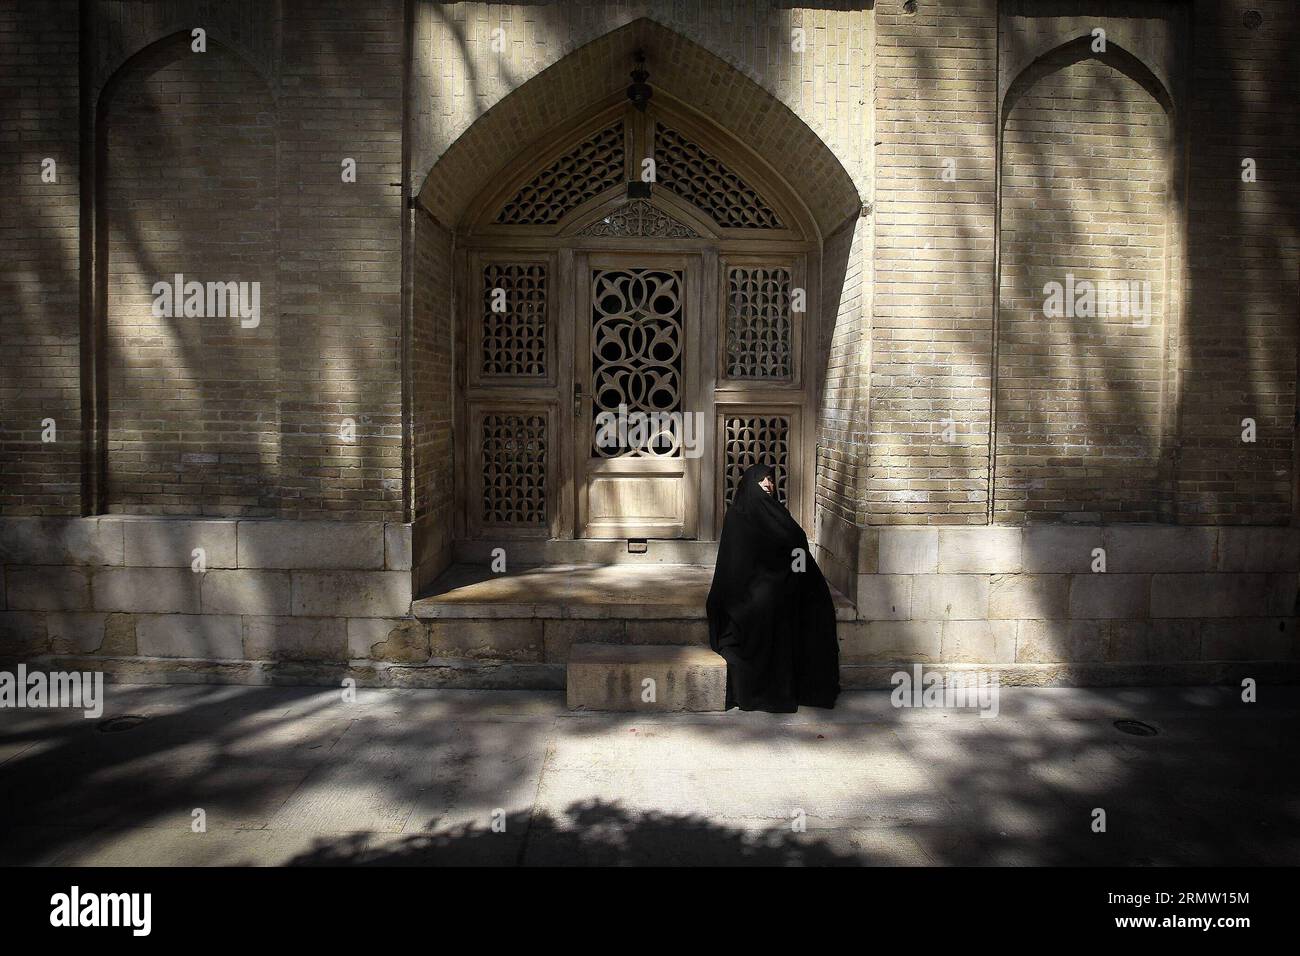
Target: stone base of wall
x=467, y=675
x=1099, y=604
x=1180, y=674
x=836, y=546
x=206, y=589
x=431, y=549
x=314, y=602
x=506, y=675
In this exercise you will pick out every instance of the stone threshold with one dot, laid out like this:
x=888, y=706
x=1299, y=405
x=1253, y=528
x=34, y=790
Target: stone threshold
x=580, y=591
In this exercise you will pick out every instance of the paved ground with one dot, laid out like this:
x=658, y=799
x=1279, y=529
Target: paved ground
x=295, y=775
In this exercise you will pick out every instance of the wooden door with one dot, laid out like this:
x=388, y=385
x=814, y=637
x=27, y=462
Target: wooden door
x=637, y=407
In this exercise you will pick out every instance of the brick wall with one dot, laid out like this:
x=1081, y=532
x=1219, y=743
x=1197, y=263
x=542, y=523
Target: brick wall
x=40, y=270
x=1243, y=267
x=933, y=264
x=432, y=395
x=223, y=165
x=843, y=356
x=340, y=259
x=1093, y=425
x=728, y=59
x=1085, y=198
x=192, y=413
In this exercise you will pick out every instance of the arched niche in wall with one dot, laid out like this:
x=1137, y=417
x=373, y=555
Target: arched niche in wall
x=185, y=388
x=1088, y=300
x=566, y=228
x=638, y=266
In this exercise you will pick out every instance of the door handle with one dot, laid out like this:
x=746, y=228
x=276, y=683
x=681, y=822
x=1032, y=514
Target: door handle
x=577, y=400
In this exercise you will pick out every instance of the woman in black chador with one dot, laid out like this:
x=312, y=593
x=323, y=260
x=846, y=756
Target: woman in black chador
x=773, y=623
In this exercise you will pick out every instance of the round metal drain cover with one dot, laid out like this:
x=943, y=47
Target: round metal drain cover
x=115, y=725
x=1135, y=727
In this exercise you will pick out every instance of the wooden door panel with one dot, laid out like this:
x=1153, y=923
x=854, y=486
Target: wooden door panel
x=751, y=434
x=636, y=376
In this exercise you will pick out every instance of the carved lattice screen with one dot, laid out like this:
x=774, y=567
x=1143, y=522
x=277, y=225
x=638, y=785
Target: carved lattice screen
x=758, y=323
x=514, y=469
x=594, y=165
x=514, y=320
x=752, y=440
x=636, y=361
x=685, y=168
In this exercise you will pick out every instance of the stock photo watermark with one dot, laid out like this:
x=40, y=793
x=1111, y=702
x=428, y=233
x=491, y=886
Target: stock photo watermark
x=76, y=909
x=1098, y=298
x=66, y=690
x=920, y=688
x=659, y=432
x=208, y=300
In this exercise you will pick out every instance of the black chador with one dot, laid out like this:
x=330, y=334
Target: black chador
x=770, y=610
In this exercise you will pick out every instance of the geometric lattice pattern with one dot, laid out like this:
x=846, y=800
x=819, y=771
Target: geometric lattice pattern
x=754, y=440
x=514, y=469
x=683, y=167
x=758, y=323
x=591, y=167
x=514, y=320
x=636, y=362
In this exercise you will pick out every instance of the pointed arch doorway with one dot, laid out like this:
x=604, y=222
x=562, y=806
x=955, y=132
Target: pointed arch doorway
x=636, y=326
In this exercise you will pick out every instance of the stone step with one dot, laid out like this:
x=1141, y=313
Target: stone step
x=613, y=677
x=587, y=551
x=668, y=592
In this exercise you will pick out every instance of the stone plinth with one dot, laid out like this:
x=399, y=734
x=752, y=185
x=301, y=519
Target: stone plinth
x=646, y=677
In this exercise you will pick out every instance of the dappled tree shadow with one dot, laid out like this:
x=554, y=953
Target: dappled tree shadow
x=421, y=777
x=592, y=833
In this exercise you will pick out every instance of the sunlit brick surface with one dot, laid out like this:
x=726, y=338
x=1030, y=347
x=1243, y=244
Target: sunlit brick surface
x=193, y=417
x=1084, y=198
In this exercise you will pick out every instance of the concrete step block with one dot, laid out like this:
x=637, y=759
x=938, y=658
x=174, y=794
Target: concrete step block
x=616, y=677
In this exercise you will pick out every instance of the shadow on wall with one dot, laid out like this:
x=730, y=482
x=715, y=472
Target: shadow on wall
x=189, y=404
x=1225, y=368
x=209, y=169
x=1080, y=431
x=1236, y=352
x=1149, y=427
x=1243, y=269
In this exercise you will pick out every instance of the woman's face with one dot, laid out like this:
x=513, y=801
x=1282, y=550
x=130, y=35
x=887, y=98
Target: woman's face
x=766, y=484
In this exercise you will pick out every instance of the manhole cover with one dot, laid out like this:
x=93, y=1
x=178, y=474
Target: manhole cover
x=115, y=725
x=1135, y=727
